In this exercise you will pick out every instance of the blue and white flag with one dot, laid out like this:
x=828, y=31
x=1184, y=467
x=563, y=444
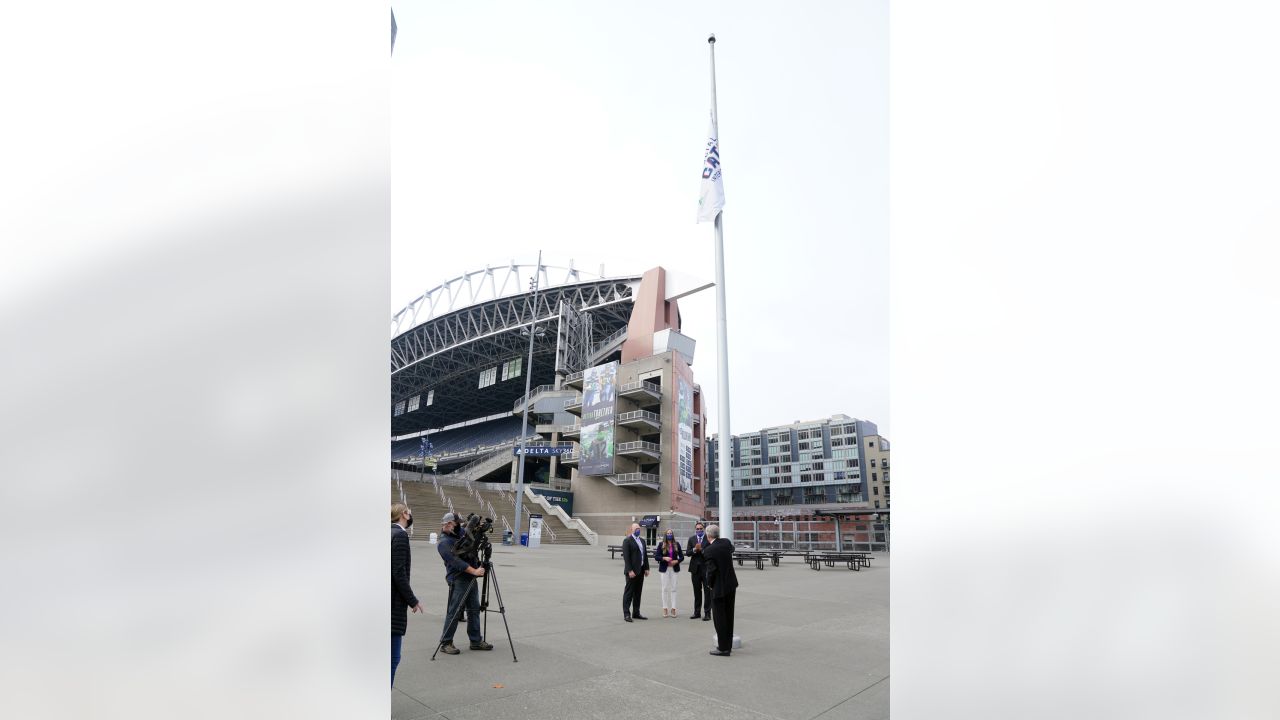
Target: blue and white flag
x=712, y=198
x=424, y=447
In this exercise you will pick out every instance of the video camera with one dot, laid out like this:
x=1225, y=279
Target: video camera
x=474, y=546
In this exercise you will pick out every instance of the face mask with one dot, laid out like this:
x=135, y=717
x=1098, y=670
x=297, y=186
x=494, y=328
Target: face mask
x=410, y=523
x=636, y=533
x=671, y=537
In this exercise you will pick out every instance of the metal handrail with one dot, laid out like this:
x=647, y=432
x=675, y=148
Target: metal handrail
x=639, y=445
x=573, y=401
x=574, y=376
x=629, y=478
x=641, y=385
x=597, y=347
x=524, y=398
x=640, y=414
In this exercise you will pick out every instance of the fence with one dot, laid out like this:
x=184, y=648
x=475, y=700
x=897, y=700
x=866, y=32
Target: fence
x=801, y=535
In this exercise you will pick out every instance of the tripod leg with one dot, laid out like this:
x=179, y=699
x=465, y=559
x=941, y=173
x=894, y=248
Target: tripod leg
x=462, y=605
x=502, y=610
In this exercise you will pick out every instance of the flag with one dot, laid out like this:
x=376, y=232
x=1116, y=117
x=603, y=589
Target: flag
x=424, y=447
x=712, y=198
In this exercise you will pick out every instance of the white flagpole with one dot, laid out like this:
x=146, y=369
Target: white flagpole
x=524, y=423
x=722, y=344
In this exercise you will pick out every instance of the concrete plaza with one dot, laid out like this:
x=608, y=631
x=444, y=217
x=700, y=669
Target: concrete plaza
x=815, y=645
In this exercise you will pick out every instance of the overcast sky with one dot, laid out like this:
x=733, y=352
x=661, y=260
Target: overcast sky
x=578, y=129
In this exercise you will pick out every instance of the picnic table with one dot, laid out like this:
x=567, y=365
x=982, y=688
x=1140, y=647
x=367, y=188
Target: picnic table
x=759, y=556
x=855, y=561
x=613, y=551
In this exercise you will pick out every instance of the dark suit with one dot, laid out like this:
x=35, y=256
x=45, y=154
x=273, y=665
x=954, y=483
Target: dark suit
x=724, y=589
x=634, y=559
x=697, y=569
x=402, y=597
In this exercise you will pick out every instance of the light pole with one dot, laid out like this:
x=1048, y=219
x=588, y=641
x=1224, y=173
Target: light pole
x=524, y=423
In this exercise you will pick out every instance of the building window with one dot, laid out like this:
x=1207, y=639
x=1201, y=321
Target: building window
x=413, y=403
x=488, y=377
x=877, y=504
x=873, y=462
x=875, y=489
x=431, y=396
x=400, y=408
x=511, y=369
x=873, y=477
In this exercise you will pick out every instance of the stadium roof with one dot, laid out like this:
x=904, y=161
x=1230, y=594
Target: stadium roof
x=476, y=322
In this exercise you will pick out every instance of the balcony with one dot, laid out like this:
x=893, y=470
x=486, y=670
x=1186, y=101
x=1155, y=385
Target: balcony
x=573, y=405
x=574, y=379
x=567, y=430
x=641, y=420
x=640, y=449
x=643, y=393
x=570, y=458
x=633, y=480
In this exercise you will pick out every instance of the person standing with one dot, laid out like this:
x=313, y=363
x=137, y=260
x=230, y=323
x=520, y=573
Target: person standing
x=724, y=588
x=669, y=556
x=402, y=597
x=697, y=570
x=462, y=591
x=635, y=567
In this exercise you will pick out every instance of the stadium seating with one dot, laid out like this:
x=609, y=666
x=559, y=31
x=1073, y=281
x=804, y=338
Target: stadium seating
x=461, y=439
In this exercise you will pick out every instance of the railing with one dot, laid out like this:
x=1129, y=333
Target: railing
x=640, y=415
x=642, y=385
x=573, y=376
x=634, y=479
x=573, y=401
x=572, y=523
x=639, y=445
x=529, y=396
x=571, y=457
x=597, y=347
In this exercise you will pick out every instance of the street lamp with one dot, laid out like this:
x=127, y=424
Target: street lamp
x=532, y=331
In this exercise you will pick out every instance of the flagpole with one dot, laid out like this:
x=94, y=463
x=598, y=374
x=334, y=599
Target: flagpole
x=724, y=447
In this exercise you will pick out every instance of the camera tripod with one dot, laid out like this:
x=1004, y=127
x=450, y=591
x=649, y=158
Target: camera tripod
x=484, y=604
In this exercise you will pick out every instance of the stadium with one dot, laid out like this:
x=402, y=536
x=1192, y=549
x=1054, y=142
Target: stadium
x=459, y=367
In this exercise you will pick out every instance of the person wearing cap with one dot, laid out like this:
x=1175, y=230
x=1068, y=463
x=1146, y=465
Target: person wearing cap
x=462, y=591
x=402, y=597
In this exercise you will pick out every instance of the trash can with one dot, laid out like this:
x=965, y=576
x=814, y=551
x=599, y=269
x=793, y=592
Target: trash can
x=506, y=538
x=524, y=539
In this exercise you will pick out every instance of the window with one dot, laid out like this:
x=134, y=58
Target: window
x=510, y=369
x=488, y=377
x=875, y=489
x=431, y=396
x=413, y=403
x=873, y=462
x=877, y=504
x=873, y=477
x=871, y=443
x=400, y=408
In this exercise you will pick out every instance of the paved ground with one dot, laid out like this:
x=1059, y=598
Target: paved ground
x=815, y=645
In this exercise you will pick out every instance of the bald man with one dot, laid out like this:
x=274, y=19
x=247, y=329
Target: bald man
x=635, y=566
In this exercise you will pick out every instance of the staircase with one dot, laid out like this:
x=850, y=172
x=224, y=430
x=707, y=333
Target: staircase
x=430, y=501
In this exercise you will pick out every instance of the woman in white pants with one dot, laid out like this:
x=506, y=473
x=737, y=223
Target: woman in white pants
x=669, y=555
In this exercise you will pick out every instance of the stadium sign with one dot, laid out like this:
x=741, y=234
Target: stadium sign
x=544, y=450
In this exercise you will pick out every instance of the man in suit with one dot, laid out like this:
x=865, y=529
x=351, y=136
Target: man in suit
x=697, y=568
x=635, y=566
x=402, y=597
x=724, y=588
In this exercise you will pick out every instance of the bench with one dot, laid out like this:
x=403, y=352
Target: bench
x=613, y=551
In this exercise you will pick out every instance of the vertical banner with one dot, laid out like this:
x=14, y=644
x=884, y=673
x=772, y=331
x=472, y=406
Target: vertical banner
x=599, y=402
x=684, y=449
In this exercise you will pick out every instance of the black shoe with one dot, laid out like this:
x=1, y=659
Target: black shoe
x=449, y=649
x=638, y=616
x=482, y=645
x=706, y=617
x=723, y=653
x=694, y=616
x=626, y=617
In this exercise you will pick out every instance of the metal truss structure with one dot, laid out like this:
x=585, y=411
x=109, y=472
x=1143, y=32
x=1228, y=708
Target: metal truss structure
x=480, y=320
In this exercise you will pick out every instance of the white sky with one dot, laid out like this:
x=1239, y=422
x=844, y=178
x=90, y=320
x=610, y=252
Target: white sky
x=578, y=129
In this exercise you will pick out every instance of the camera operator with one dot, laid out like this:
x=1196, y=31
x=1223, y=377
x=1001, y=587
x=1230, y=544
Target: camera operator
x=462, y=591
